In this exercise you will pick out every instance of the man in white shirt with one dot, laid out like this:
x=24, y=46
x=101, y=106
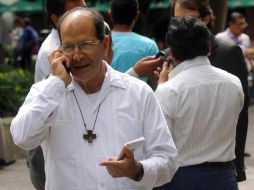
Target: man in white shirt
x=144, y=67
x=55, y=9
x=85, y=112
x=201, y=104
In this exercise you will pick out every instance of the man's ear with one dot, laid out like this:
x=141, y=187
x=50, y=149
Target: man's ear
x=207, y=19
x=172, y=57
x=106, y=43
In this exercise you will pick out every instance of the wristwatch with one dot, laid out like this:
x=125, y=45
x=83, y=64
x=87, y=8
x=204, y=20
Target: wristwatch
x=140, y=175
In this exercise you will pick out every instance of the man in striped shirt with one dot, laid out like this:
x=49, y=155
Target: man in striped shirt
x=201, y=104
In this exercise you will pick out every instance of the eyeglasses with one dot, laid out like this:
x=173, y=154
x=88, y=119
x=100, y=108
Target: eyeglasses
x=84, y=46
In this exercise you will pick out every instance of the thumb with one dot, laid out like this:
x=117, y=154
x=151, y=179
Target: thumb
x=128, y=153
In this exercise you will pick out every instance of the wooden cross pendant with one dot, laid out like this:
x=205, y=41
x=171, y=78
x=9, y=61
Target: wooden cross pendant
x=89, y=136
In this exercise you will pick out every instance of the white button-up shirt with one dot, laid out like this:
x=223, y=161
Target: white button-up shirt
x=129, y=110
x=51, y=43
x=201, y=104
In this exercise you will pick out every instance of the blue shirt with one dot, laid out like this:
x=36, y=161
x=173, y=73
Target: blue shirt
x=129, y=47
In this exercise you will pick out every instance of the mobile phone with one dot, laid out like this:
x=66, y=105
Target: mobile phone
x=161, y=53
x=132, y=145
x=66, y=68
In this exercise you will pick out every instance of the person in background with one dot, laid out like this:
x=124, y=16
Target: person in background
x=85, y=112
x=3, y=39
x=235, y=34
x=128, y=46
x=16, y=37
x=29, y=43
x=226, y=56
x=201, y=104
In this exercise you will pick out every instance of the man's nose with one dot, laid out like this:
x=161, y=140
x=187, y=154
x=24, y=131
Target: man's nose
x=77, y=53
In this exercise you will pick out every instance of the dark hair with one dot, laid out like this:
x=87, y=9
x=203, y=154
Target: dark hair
x=98, y=21
x=56, y=7
x=234, y=16
x=26, y=21
x=188, y=37
x=202, y=6
x=124, y=11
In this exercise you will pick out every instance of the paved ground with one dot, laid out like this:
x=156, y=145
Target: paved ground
x=249, y=161
x=16, y=177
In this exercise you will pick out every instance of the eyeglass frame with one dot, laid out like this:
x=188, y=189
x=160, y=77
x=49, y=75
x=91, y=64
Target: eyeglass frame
x=88, y=44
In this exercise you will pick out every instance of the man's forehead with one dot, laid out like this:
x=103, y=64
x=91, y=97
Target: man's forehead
x=77, y=17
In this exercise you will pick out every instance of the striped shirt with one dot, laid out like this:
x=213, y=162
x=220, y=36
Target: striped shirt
x=201, y=104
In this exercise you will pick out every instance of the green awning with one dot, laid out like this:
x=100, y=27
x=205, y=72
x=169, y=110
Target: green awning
x=21, y=6
x=240, y=3
x=162, y=4
x=103, y=5
x=3, y=7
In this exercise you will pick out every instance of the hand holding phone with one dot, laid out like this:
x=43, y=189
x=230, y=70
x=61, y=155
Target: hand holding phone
x=59, y=64
x=161, y=53
x=132, y=145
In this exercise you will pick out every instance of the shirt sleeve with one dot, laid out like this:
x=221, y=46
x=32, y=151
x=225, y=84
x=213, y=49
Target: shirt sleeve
x=28, y=128
x=154, y=48
x=41, y=66
x=162, y=161
x=132, y=72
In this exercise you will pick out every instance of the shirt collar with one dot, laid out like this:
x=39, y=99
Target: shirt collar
x=236, y=39
x=197, y=61
x=54, y=32
x=114, y=77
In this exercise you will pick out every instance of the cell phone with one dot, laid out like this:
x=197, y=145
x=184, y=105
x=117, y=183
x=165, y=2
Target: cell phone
x=132, y=145
x=161, y=53
x=67, y=69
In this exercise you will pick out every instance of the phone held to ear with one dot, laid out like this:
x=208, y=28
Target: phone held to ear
x=68, y=70
x=165, y=56
x=161, y=53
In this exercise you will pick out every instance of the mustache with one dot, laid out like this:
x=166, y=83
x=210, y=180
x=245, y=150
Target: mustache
x=83, y=61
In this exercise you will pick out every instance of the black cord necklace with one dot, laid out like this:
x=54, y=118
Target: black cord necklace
x=90, y=136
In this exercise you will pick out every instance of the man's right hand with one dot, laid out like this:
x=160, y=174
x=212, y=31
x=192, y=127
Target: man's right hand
x=60, y=65
x=162, y=73
x=145, y=67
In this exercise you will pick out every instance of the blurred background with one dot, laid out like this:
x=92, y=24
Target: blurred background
x=152, y=23
x=15, y=81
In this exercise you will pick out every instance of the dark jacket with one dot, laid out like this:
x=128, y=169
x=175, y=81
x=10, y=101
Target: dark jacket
x=229, y=57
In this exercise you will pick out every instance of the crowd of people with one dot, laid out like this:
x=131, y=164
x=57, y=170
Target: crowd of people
x=97, y=89
x=23, y=40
